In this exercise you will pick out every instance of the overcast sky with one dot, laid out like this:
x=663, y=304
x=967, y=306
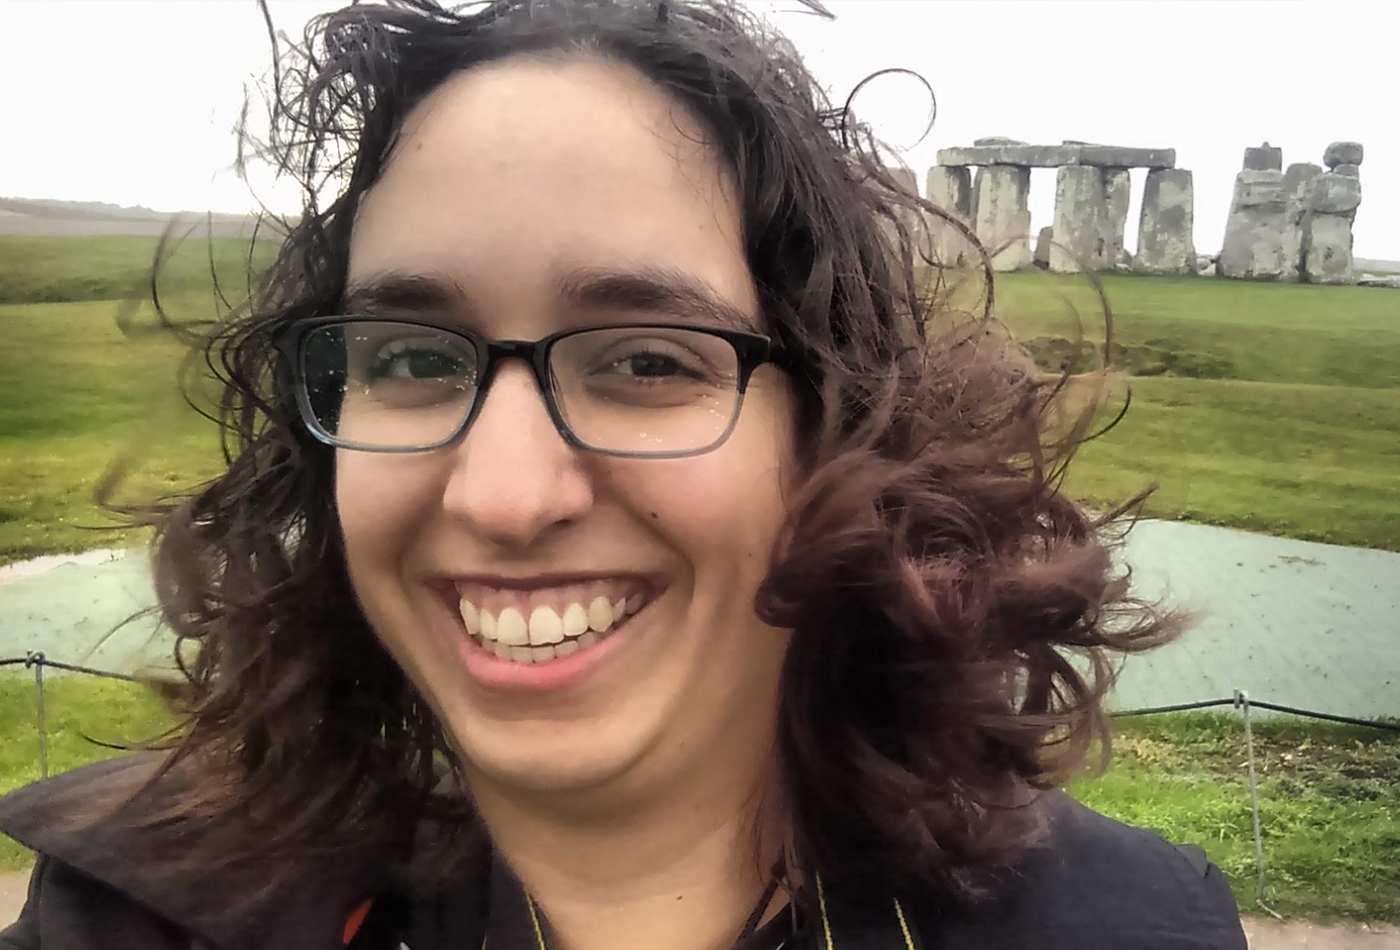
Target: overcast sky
x=134, y=101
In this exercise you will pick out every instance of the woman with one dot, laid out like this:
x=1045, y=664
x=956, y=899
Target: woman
x=606, y=559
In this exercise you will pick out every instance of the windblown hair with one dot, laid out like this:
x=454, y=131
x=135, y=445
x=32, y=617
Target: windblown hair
x=954, y=612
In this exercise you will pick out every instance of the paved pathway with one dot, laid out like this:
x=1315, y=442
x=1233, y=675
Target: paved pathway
x=1315, y=626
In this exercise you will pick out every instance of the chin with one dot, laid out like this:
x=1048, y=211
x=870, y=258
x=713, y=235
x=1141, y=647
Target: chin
x=546, y=757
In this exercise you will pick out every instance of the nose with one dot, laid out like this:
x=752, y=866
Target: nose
x=515, y=480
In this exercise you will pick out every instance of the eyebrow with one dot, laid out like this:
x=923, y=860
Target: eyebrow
x=413, y=293
x=657, y=290
x=665, y=292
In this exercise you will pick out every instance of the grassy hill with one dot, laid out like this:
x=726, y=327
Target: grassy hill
x=1272, y=407
x=1263, y=406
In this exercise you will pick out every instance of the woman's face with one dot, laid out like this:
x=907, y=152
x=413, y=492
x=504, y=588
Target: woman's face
x=513, y=186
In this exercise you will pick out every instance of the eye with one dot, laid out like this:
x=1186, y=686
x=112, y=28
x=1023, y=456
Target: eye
x=656, y=359
x=416, y=359
x=649, y=364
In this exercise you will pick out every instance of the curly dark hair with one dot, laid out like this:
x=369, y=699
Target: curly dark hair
x=954, y=612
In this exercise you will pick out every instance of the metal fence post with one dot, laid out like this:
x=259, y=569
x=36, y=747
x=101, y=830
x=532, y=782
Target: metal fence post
x=1242, y=701
x=37, y=659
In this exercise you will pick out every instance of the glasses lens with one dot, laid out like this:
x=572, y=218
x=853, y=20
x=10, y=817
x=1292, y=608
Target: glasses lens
x=386, y=385
x=646, y=389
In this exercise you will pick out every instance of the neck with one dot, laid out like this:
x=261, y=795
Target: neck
x=683, y=871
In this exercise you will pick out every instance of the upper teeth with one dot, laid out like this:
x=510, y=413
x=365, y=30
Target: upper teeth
x=545, y=625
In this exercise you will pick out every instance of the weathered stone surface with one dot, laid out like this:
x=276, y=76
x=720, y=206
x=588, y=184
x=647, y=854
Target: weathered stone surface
x=997, y=140
x=1118, y=194
x=906, y=179
x=1042, y=247
x=1123, y=261
x=1328, y=259
x=1253, y=247
x=1001, y=217
x=1335, y=194
x=1392, y=282
x=1165, y=242
x=950, y=188
x=1297, y=200
x=1343, y=153
x=1296, y=178
x=1113, y=156
x=1258, y=189
x=1351, y=171
x=908, y=184
x=1053, y=156
x=1265, y=158
x=1203, y=261
x=1081, y=209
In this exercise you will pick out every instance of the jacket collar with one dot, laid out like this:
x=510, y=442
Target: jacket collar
x=121, y=851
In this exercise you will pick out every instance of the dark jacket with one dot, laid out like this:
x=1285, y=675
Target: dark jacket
x=1097, y=883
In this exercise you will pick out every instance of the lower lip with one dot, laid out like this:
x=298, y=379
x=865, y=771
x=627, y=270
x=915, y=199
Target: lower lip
x=494, y=673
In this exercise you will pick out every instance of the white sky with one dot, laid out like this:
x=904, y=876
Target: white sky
x=134, y=101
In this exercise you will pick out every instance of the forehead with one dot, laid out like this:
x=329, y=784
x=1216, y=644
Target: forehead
x=515, y=174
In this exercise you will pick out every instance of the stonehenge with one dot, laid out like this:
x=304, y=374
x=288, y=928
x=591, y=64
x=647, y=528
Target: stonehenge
x=1293, y=225
x=1093, y=190
x=1290, y=225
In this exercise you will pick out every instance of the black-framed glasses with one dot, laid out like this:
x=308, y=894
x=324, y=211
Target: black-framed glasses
x=655, y=390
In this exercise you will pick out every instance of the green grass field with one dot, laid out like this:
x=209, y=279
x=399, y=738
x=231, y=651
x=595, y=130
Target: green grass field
x=89, y=380
x=1270, y=407
x=1330, y=795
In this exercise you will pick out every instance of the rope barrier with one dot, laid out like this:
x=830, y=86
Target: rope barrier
x=1257, y=704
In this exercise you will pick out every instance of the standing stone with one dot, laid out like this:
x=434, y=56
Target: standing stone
x=1001, y=215
x=950, y=188
x=1343, y=153
x=905, y=178
x=1043, y=241
x=1118, y=194
x=1254, y=231
x=1265, y=158
x=1351, y=171
x=907, y=184
x=1081, y=210
x=1327, y=257
x=1297, y=199
x=1165, y=242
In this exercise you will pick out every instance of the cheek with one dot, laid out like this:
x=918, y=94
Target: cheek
x=379, y=499
x=722, y=511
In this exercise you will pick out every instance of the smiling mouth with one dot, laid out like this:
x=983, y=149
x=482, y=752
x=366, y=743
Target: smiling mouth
x=537, y=633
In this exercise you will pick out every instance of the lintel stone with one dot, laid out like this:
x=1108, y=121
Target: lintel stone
x=1054, y=156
